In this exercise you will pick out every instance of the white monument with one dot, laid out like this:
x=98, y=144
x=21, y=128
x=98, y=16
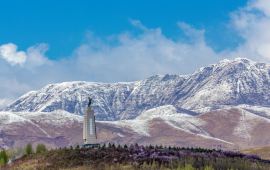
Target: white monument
x=89, y=127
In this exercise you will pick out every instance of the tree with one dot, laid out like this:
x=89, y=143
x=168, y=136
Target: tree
x=29, y=149
x=41, y=148
x=3, y=157
x=77, y=147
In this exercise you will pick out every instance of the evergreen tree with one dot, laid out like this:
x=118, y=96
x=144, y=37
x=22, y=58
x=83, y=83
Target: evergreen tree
x=3, y=157
x=41, y=148
x=29, y=149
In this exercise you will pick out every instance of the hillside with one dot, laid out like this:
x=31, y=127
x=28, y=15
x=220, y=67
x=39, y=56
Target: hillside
x=139, y=157
x=230, y=129
x=263, y=152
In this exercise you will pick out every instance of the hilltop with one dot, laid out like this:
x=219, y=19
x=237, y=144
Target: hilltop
x=139, y=157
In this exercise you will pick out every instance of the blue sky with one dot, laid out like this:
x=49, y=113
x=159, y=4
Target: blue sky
x=44, y=42
x=63, y=24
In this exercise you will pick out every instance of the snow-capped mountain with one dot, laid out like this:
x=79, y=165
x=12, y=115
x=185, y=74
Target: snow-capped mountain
x=229, y=82
x=225, y=104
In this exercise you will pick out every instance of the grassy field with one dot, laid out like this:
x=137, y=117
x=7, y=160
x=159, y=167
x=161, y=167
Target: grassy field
x=263, y=152
x=136, y=157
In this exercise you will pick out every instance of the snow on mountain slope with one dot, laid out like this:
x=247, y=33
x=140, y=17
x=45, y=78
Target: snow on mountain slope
x=73, y=97
x=111, y=101
x=227, y=83
x=168, y=113
x=8, y=118
x=231, y=128
x=54, y=128
x=235, y=82
x=258, y=110
x=247, y=122
x=55, y=118
x=237, y=125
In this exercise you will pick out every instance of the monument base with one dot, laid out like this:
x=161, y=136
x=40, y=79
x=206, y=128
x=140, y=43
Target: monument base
x=94, y=145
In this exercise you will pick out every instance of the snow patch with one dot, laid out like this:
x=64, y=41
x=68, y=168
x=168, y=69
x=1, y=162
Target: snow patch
x=170, y=116
x=247, y=122
x=57, y=118
x=9, y=118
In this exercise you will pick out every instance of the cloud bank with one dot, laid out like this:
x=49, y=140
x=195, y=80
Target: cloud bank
x=128, y=57
x=252, y=23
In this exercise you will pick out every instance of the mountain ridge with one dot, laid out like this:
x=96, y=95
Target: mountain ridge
x=229, y=82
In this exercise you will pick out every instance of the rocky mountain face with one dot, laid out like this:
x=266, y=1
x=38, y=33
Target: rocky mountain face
x=227, y=83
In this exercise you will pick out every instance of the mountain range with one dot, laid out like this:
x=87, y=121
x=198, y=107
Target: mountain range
x=222, y=105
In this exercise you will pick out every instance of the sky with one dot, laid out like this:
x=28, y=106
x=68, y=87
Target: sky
x=63, y=24
x=44, y=42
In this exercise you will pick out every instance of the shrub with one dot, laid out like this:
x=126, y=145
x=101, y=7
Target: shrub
x=3, y=157
x=41, y=148
x=29, y=149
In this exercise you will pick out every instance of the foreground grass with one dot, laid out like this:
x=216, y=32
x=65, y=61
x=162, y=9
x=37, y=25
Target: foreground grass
x=139, y=157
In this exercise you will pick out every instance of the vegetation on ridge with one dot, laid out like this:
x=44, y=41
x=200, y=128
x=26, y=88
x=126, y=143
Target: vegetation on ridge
x=139, y=157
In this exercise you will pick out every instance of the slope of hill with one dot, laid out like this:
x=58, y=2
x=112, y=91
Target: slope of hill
x=229, y=129
x=54, y=128
x=232, y=128
x=263, y=152
x=227, y=83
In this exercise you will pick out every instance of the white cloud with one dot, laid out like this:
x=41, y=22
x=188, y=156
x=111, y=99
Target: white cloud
x=9, y=53
x=151, y=52
x=252, y=23
x=36, y=55
x=138, y=24
x=33, y=56
x=195, y=34
x=261, y=5
x=4, y=102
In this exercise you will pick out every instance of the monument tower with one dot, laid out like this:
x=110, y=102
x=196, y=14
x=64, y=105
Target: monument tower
x=89, y=127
